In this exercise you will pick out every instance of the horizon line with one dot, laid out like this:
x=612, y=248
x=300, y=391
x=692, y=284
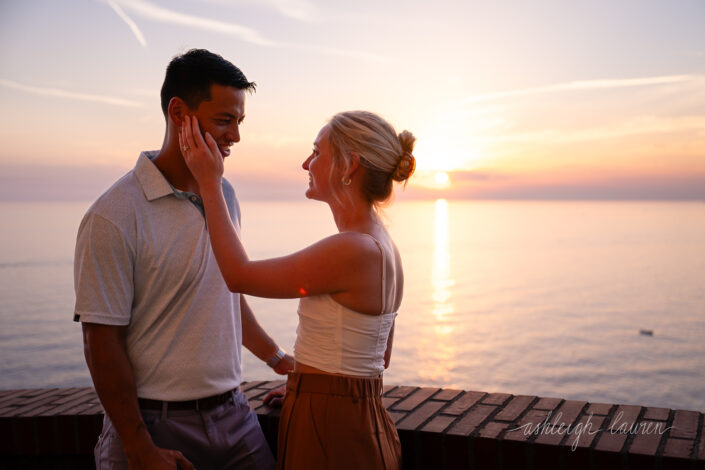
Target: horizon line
x=397, y=200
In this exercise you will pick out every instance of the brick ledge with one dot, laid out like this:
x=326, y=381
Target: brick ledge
x=438, y=428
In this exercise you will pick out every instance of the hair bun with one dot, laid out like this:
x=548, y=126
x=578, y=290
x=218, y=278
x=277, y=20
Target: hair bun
x=407, y=141
x=405, y=168
x=407, y=163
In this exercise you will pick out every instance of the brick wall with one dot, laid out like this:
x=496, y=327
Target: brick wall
x=438, y=428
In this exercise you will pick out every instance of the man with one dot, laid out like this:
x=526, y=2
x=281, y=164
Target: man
x=162, y=332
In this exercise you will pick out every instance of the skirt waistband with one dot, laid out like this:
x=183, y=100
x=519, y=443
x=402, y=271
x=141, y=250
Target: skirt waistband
x=334, y=385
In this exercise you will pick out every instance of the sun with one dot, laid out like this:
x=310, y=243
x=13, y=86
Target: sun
x=433, y=179
x=442, y=179
x=446, y=145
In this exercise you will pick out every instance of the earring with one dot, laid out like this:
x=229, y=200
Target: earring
x=347, y=182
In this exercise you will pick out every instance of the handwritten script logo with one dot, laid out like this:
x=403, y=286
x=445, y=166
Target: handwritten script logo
x=577, y=430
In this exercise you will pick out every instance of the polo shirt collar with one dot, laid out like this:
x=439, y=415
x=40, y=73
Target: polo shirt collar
x=153, y=183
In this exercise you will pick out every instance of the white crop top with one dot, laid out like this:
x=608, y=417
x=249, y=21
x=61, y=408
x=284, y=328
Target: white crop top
x=336, y=339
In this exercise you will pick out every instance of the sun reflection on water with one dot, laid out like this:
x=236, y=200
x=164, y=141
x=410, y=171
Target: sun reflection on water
x=439, y=346
x=440, y=276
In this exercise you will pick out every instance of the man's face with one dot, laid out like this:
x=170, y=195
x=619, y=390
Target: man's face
x=222, y=115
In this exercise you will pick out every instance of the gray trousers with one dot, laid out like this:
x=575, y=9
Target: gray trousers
x=226, y=437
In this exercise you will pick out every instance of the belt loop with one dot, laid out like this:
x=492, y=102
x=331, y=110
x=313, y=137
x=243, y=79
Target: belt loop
x=164, y=408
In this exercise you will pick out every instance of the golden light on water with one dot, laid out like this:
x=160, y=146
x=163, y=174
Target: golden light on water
x=440, y=350
x=440, y=276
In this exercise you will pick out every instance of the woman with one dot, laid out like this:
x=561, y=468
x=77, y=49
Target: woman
x=350, y=285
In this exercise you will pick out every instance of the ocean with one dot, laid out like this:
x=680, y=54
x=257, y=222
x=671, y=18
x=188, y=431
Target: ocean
x=596, y=301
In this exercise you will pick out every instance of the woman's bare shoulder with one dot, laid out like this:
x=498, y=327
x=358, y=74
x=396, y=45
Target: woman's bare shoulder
x=352, y=240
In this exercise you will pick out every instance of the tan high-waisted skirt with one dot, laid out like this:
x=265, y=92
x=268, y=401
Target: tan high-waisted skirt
x=331, y=422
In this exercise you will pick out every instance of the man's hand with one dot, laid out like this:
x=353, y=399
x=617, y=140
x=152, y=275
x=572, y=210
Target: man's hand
x=142, y=454
x=285, y=366
x=152, y=457
x=275, y=397
x=161, y=459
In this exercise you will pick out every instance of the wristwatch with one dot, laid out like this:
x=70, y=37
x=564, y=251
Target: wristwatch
x=276, y=358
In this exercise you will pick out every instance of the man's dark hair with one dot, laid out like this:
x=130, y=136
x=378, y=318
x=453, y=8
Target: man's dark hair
x=190, y=76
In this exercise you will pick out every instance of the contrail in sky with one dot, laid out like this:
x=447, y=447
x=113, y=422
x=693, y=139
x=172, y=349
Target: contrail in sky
x=153, y=12
x=111, y=100
x=133, y=26
x=164, y=15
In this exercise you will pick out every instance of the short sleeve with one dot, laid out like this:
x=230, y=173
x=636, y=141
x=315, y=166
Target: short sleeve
x=232, y=203
x=103, y=273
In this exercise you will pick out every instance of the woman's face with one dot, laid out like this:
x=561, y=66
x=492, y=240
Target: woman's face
x=318, y=165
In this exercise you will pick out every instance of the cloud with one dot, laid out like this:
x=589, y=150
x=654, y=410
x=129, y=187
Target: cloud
x=297, y=9
x=555, y=184
x=133, y=26
x=301, y=10
x=156, y=13
x=466, y=176
x=635, y=126
x=148, y=92
x=56, y=92
x=578, y=85
x=367, y=56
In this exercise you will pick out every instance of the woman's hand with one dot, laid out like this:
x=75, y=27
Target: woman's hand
x=275, y=397
x=203, y=157
x=285, y=366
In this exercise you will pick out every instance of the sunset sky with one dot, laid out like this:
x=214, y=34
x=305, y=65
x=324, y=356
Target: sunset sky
x=527, y=100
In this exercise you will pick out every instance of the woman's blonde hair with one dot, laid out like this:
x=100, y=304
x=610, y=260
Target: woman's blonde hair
x=386, y=155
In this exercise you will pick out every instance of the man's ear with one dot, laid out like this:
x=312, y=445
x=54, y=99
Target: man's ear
x=177, y=110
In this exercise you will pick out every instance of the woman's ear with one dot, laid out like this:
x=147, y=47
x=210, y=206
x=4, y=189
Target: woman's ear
x=353, y=166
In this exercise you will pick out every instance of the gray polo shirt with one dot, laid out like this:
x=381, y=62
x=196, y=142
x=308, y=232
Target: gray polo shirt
x=144, y=259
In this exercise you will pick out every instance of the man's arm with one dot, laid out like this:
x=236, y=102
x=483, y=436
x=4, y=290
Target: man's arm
x=105, y=349
x=259, y=342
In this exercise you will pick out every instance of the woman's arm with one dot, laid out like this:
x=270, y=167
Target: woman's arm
x=388, y=351
x=341, y=262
